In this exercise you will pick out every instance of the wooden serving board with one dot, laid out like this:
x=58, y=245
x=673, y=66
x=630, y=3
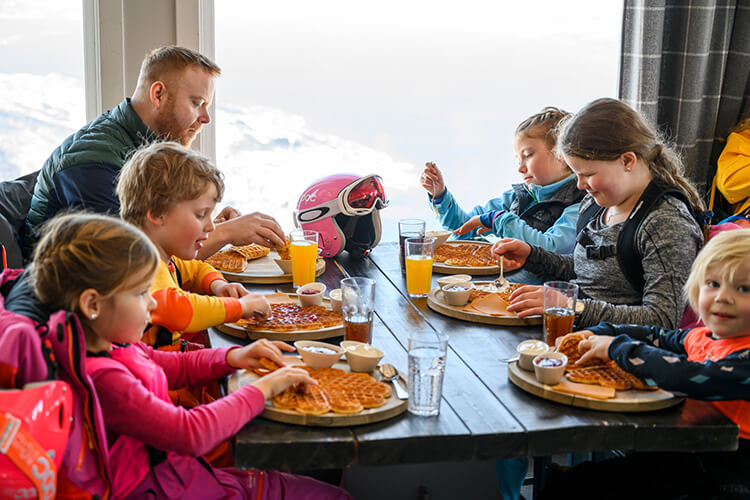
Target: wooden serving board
x=392, y=407
x=436, y=302
x=442, y=268
x=624, y=401
x=266, y=271
x=322, y=333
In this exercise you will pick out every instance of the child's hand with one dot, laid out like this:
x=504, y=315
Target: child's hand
x=595, y=346
x=255, y=305
x=221, y=288
x=514, y=253
x=227, y=213
x=276, y=382
x=527, y=300
x=247, y=356
x=470, y=225
x=432, y=180
x=252, y=228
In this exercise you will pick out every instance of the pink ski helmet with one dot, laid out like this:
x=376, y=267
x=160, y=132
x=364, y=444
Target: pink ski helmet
x=343, y=209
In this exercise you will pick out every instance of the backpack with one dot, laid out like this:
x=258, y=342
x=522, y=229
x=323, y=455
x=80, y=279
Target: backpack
x=55, y=348
x=628, y=256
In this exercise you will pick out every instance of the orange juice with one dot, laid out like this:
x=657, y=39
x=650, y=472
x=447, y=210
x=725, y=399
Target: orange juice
x=418, y=274
x=304, y=255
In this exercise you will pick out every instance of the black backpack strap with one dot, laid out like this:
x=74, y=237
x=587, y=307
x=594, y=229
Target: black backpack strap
x=587, y=215
x=628, y=255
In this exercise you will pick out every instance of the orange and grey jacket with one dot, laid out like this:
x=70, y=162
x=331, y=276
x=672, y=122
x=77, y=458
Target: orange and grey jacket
x=182, y=290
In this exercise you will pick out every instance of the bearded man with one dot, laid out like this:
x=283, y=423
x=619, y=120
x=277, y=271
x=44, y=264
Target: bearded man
x=170, y=102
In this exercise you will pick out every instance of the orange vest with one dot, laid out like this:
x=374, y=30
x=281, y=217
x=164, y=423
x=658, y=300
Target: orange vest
x=701, y=347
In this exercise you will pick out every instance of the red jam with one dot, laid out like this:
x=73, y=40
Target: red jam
x=309, y=291
x=549, y=362
x=319, y=350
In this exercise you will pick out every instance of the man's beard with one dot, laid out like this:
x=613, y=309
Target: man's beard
x=168, y=129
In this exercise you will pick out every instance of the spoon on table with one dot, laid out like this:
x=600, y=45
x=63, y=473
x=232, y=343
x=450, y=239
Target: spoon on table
x=501, y=283
x=390, y=374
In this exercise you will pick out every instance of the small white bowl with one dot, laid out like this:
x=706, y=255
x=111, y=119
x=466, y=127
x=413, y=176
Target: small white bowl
x=361, y=357
x=456, y=294
x=528, y=350
x=318, y=355
x=454, y=279
x=440, y=236
x=285, y=265
x=335, y=297
x=549, y=367
x=311, y=294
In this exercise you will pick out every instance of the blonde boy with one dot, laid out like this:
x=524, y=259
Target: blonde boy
x=170, y=192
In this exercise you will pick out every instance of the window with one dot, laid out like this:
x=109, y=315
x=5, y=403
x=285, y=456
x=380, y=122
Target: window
x=41, y=80
x=314, y=88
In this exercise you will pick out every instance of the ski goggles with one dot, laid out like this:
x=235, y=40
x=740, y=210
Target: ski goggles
x=361, y=197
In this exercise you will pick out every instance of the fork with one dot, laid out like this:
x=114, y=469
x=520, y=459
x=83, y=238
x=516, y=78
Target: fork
x=501, y=283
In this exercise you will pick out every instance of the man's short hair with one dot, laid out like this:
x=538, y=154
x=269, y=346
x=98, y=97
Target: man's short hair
x=161, y=62
x=160, y=175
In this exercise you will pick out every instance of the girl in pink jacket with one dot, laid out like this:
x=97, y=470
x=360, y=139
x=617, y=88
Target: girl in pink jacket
x=101, y=268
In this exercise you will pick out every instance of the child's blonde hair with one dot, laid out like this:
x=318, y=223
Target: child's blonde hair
x=606, y=128
x=81, y=251
x=543, y=125
x=728, y=250
x=160, y=175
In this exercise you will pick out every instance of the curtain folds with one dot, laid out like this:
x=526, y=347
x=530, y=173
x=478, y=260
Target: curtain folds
x=686, y=66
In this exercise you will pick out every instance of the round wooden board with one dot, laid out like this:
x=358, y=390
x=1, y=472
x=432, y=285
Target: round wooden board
x=436, y=302
x=624, y=401
x=291, y=336
x=441, y=268
x=392, y=407
x=266, y=271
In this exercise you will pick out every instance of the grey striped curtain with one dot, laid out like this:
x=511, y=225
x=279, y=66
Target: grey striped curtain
x=686, y=67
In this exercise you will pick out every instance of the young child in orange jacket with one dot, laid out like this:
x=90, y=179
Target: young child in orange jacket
x=170, y=192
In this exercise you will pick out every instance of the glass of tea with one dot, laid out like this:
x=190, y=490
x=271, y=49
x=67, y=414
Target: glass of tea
x=357, y=307
x=408, y=228
x=559, y=309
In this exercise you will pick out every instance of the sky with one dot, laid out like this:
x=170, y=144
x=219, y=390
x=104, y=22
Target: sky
x=313, y=88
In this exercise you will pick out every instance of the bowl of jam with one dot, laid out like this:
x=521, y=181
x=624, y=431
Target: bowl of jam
x=318, y=355
x=457, y=294
x=549, y=367
x=311, y=294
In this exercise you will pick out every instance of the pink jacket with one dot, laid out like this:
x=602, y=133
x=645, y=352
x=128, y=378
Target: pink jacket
x=132, y=383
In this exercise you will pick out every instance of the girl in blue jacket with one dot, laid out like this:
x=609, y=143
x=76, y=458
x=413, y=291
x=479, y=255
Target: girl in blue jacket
x=541, y=211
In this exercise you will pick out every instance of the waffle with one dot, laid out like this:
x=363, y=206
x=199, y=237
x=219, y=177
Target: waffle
x=292, y=317
x=610, y=375
x=266, y=366
x=227, y=260
x=464, y=255
x=284, y=251
x=479, y=292
x=338, y=391
x=251, y=251
x=569, y=346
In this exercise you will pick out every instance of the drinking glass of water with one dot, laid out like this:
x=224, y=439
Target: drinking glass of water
x=427, y=353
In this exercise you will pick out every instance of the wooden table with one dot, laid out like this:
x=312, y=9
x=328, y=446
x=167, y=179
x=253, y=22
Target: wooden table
x=482, y=416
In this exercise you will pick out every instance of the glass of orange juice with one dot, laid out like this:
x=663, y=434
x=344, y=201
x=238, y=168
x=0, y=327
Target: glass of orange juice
x=418, y=258
x=303, y=248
